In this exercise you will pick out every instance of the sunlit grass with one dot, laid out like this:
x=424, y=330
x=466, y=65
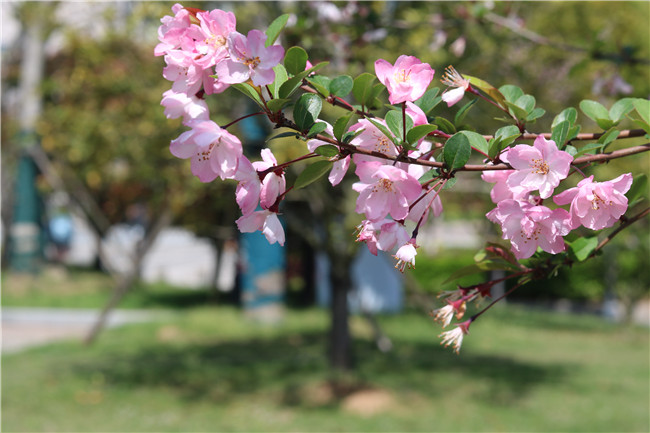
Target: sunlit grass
x=208, y=369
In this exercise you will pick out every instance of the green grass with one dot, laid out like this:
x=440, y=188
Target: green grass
x=208, y=369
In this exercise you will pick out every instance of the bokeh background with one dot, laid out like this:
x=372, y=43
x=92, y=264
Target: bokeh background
x=131, y=303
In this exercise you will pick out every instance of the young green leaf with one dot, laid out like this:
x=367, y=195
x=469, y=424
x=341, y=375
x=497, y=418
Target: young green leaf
x=477, y=141
x=569, y=114
x=306, y=110
x=456, y=151
x=526, y=102
x=418, y=132
x=511, y=92
x=462, y=113
x=249, y=91
x=280, y=78
x=362, y=88
x=488, y=89
x=621, y=108
x=639, y=189
x=560, y=132
x=445, y=125
x=295, y=60
x=581, y=248
x=276, y=105
x=327, y=150
x=292, y=84
x=429, y=100
x=341, y=86
x=394, y=121
x=594, y=110
x=341, y=125
x=275, y=28
x=312, y=173
x=316, y=128
x=321, y=83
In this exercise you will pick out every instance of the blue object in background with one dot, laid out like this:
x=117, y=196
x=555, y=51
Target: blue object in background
x=263, y=279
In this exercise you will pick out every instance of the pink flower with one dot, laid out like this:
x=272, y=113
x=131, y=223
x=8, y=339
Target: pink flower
x=392, y=233
x=416, y=113
x=455, y=336
x=172, y=30
x=273, y=184
x=249, y=59
x=528, y=227
x=596, y=205
x=538, y=167
x=384, y=189
x=371, y=139
x=407, y=80
x=405, y=255
x=180, y=105
x=458, y=84
x=367, y=232
x=340, y=166
x=248, y=189
x=445, y=314
x=216, y=25
x=213, y=151
x=264, y=220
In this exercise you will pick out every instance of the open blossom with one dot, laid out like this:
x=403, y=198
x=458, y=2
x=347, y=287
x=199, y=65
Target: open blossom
x=457, y=83
x=371, y=139
x=405, y=255
x=444, y=314
x=273, y=184
x=538, y=167
x=264, y=220
x=249, y=186
x=528, y=227
x=180, y=105
x=455, y=336
x=384, y=189
x=596, y=205
x=172, y=30
x=407, y=80
x=249, y=59
x=215, y=27
x=213, y=151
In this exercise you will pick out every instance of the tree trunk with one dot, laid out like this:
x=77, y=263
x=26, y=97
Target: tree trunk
x=340, y=341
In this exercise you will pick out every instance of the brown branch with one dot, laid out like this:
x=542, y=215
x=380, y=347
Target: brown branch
x=626, y=133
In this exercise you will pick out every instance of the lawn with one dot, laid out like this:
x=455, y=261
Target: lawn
x=206, y=368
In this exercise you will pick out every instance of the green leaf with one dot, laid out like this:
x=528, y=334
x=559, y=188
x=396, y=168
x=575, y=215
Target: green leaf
x=306, y=110
x=418, y=132
x=639, y=189
x=276, y=105
x=460, y=115
x=428, y=175
x=450, y=183
x=511, y=92
x=292, y=84
x=508, y=134
x=526, y=102
x=608, y=137
x=517, y=111
x=275, y=28
x=642, y=106
x=535, y=114
x=321, y=84
x=295, y=60
x=249, y=91
x=560, y=132
x=494, y=147
x=594, y=110
x=341, y=86
x=456, y=151
x=582, y=247
x=312, y=173
x=621, y=108
x=284, y=135
x=571, y=150
x=589, y=148
x=573, y=132
x=362, y=88
x=327, y=150
x=394, y=119
x=488, y=89
x=569, y=114
x=445, y=125
x=350, y=135
x=477, y=141
x=429, y=100
x=280, y=78
x=341, y=125
x=605, y=124
x=376, y=103
x=316, y=128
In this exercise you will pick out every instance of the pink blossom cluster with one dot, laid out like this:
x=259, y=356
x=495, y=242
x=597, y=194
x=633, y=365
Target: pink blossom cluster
x=204, y=54
x=523, y=218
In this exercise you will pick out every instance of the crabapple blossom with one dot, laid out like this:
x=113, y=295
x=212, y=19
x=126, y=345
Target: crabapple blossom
x=596, y=205
x=181, y=105
x=249, y=59
x=457, y=83
x=405, y=255
x=407, y=80
x=213, y=151
x=249, y=186
x=455, y=336
x=383, y=190
x=265, y=221
x=172, y=30
x=372, y=139
x=444, y=315
x=528, y=227
x=273, y=184
x=538, y=167
x=215, y=27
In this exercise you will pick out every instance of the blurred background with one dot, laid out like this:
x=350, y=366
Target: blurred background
x=131, y=303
